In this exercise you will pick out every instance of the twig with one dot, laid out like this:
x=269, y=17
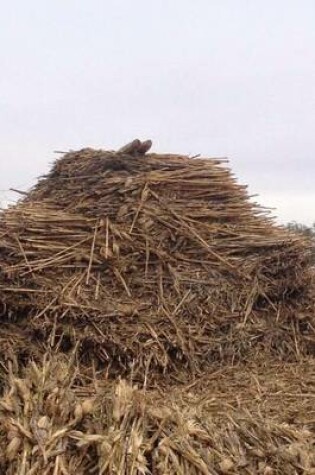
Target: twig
x=91, y=254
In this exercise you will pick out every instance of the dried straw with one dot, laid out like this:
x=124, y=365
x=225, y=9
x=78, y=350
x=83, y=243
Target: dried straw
x=55, y=423
x=155, y=264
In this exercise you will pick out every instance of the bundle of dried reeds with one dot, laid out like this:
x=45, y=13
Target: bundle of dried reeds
x=152, y=263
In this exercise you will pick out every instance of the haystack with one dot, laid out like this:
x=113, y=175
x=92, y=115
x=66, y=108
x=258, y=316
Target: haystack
x=150, y=264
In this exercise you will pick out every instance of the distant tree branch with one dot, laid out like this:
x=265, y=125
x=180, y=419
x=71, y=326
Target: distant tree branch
x=307, y=231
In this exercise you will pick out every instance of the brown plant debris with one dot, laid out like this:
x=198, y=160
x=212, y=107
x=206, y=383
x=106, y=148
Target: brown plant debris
x=152, y=265
x=54, y=423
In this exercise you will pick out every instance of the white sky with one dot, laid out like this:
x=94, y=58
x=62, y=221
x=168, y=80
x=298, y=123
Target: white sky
x=216, y=77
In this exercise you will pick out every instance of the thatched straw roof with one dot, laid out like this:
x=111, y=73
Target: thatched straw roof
x=151, y=263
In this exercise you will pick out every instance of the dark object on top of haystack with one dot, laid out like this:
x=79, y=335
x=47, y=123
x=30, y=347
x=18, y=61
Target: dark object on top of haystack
x=136, y=147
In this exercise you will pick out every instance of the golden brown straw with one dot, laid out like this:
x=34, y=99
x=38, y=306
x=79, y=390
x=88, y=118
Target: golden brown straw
x=152, y=263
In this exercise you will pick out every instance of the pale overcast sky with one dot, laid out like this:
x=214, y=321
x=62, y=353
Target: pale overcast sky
x=229, y=78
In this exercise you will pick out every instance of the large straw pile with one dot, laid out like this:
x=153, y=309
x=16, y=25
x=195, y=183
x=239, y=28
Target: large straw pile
x=151, y=263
